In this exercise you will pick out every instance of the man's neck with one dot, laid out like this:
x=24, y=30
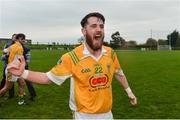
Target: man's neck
x=94, y=53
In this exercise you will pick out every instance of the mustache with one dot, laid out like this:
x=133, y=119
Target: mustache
x=98, y=33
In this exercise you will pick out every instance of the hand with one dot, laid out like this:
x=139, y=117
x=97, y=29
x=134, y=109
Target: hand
x=17, y=67
x=132, y=98
x=3, y=57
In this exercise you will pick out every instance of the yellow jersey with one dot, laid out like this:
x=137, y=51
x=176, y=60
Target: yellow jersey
x=15, y=50
x=91, y=78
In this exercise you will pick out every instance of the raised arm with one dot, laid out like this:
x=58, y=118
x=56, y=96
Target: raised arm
x=18, y=69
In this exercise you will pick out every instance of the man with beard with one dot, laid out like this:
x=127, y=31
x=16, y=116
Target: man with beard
x=91, y=67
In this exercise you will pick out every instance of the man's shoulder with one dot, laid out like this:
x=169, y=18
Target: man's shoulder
x=16, y=44
x=78, y=50
x=16, y=47
x=109, y=50
x=13, y=46
x=74, y=54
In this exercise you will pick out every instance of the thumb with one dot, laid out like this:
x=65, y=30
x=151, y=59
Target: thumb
x=22, y=61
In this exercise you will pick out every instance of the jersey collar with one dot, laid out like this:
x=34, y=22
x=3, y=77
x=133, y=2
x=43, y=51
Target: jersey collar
x=88, y=54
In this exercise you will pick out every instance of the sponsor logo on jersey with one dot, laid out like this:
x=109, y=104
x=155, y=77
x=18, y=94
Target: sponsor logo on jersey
x=97, y=81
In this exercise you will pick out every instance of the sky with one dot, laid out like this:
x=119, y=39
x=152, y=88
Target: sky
x=47, y=21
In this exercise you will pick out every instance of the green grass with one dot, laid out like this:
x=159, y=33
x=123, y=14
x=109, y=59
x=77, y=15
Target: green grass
x=153, y=76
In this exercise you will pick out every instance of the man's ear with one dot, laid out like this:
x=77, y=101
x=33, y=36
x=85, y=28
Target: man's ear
x=83, y=31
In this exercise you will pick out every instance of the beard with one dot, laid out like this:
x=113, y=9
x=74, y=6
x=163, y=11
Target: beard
x=92, y=45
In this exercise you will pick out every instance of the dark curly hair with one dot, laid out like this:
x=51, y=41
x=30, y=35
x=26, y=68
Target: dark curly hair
x=93, y=14
x=20, y=35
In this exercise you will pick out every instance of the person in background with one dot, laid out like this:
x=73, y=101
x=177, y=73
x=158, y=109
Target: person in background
x=4, y=58
x=27, y=57
x=14, y=51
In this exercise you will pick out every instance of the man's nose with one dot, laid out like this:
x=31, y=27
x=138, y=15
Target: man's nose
x=98, y=28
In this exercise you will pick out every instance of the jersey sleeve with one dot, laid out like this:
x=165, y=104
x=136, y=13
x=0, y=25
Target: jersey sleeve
x=118, y=69
x=63, y=70
x=116, y=62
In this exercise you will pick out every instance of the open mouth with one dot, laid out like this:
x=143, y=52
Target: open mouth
x=98, y=37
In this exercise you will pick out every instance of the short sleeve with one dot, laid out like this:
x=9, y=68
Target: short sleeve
x=63, y=70
x=116, y=62
x=118, y=69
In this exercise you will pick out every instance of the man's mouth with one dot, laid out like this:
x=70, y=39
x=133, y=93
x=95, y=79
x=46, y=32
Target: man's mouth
x=98, y=37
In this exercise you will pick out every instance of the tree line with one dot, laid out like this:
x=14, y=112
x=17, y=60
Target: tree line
x=118, y=42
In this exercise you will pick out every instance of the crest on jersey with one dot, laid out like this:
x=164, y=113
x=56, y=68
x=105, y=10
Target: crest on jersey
x=108, y=67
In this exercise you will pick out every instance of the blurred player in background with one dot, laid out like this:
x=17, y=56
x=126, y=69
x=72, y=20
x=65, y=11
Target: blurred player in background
x=4, y=58
x=15, y=51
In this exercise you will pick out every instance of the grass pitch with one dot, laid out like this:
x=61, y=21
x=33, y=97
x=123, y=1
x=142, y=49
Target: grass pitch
x=154, y=77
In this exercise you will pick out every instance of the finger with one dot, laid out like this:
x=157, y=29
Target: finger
x=12, y=66
x=134, y=101
x=16, y=62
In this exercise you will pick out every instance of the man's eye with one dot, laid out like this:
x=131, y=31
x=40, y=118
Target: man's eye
x=102, y=26
x=93, y=26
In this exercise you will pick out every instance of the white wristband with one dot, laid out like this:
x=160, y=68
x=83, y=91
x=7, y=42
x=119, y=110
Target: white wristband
x=128, y=90
x=25, y=74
